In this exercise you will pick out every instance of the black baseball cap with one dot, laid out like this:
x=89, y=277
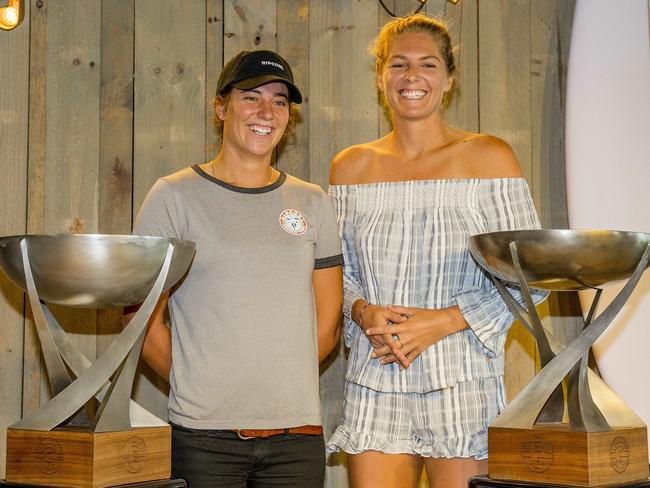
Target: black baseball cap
x=250, y=69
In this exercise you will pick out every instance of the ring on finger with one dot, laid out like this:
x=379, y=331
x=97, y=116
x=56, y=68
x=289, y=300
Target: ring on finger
x=396, y=337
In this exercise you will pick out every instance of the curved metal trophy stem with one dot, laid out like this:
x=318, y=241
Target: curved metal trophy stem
x=584, y=414
x=523, y=410
x=113, y=413
x=78, y=363
x=553, y=410
x=56, y=371
x=68, y=401
x=74, y=358
x=517, y=310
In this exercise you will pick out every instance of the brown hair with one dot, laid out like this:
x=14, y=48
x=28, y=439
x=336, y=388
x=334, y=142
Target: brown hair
x=413, y=23
x=224, y=99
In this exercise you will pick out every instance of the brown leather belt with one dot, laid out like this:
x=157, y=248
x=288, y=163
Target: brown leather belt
x=246, y=434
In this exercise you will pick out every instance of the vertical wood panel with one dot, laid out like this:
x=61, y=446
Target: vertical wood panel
x=14, y=102
x=169, y=118
x=72, y=145
x=293, y=45
x=550, y=33
x=343, y=108
x=72, y=140
x=213, y=64
x=249, y=25
x=505, y=93
x=116, y=117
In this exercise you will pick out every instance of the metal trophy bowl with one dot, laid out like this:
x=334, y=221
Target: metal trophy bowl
x=605, y=442
x=60, y=444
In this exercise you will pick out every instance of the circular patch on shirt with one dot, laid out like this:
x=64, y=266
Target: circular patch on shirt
x=293, y=222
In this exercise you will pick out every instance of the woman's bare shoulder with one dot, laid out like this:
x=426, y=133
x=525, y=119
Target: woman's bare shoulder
x=351, y=164
x=488, y=156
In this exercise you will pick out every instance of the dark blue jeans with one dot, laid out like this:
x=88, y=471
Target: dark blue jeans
x=219, y=458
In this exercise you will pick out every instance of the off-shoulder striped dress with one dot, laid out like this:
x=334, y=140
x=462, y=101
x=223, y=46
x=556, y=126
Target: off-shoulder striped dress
x=406, y=243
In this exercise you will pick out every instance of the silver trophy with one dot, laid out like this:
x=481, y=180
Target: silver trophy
x=60, y=444
x=604, y=442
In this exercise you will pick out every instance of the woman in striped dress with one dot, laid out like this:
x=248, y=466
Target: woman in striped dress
x=425, y=325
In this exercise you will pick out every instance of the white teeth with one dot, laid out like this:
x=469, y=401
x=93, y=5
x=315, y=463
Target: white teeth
x=412, y=94
x=260, y=129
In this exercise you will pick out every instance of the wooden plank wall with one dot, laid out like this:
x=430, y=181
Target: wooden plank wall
x=98, y=98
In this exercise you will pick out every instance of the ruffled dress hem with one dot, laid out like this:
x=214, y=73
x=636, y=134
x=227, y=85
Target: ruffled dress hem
x=467, y=446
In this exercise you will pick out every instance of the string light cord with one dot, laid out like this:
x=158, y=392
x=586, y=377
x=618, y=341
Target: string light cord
x=422, y=2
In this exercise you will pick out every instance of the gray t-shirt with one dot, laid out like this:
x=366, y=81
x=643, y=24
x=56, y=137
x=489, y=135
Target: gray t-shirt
x=244, y=339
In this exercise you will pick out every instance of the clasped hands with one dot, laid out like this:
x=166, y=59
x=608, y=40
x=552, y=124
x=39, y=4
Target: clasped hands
x=400, y=334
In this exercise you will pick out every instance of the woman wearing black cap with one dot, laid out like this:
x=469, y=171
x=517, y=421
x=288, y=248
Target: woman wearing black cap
x=260, y=304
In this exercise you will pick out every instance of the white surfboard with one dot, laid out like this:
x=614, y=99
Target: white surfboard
x=608, y=167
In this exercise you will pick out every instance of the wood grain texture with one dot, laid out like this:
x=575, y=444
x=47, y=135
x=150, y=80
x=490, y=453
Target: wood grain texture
x=14, y=103
x=293, y=45
x=213, y=65
x=556, y=454
x=66, y=457
x=343, y=108
x=169, y=118
x=550, y=33
x=116, y=117
x=249, y=25
x=505, y=94
x=73, y=94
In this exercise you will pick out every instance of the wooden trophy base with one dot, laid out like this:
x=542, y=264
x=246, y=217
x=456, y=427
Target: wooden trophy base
x=73, y=457
x=554, y=453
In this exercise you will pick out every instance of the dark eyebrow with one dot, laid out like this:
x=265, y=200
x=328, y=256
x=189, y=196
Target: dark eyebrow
x=276, y=94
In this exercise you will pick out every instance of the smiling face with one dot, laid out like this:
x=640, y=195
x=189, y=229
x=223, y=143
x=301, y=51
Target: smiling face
x=414, y=77
x=254, y=120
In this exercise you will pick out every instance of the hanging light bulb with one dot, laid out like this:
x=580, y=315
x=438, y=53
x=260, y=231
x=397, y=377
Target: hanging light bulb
x=12, y=14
